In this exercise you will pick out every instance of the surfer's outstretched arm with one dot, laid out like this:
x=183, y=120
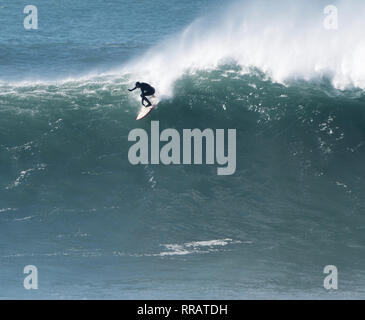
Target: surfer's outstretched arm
x=132, y=89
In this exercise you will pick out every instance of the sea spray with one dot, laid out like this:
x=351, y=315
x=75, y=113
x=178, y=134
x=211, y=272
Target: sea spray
x=285, y=39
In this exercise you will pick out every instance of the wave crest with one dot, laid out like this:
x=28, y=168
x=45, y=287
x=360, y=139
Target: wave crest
x=286, y=40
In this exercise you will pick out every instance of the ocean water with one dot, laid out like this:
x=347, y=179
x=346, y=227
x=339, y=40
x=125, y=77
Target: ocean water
x=95, y=226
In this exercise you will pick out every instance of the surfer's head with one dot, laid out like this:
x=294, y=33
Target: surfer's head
x=138, y=84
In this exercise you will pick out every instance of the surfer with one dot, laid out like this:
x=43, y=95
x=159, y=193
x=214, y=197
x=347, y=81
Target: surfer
x=146, y=90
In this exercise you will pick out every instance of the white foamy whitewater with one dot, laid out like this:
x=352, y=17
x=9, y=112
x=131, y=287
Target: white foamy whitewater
x=285, y=39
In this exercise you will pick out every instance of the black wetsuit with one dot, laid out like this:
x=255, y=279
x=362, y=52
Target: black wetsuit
x=147, y=90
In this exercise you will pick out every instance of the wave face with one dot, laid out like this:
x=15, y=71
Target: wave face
x=98, y=227
x=294, y=205
x=285, y=39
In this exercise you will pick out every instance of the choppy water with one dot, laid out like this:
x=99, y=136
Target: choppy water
x=98, y=227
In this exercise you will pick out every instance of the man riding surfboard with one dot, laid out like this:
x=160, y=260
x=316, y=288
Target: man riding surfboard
x=146, y=90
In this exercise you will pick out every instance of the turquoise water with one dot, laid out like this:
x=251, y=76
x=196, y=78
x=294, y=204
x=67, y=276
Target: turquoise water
x=97, y=227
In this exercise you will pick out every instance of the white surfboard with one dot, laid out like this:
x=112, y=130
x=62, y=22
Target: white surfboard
x=143, y=112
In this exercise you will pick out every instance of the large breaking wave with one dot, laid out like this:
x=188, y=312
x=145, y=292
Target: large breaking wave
x=285, y=39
